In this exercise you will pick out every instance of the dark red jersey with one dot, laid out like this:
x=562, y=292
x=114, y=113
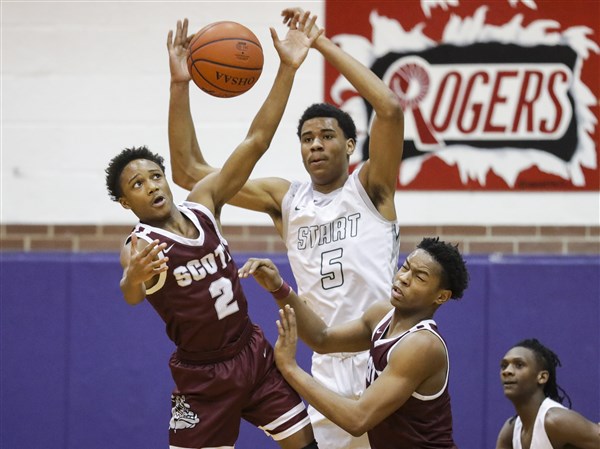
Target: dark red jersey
x=199, y=297
x=423, y=422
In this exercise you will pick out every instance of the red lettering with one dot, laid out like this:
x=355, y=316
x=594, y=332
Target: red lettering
x=456, y=78
x=495, y=99
x=475, y=108
x=543, y=127
x=527, y=103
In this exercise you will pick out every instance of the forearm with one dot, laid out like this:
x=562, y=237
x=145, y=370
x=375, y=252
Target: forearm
x=311, y=328
x=344, y=412
x=133, y=293
x=187, y=162
x=239, y=165
x=269, y=116
x=368, y=85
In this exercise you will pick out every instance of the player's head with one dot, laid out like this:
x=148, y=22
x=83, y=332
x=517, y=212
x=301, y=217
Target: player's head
x=431, y=275
x=321, y=110
x=136, y=179
x=529, y=366
x=454, y=274
x=327, y=139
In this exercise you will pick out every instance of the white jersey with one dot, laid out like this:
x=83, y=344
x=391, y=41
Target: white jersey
x=342, y=252
x=344, y=255
x=539, y=438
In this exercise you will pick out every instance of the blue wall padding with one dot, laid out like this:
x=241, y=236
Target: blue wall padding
x=81, y=369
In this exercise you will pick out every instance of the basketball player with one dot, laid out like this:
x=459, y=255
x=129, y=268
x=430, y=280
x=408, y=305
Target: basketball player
x=528, y=375
x=176, y=257
x=340, y=230
x=406, y=404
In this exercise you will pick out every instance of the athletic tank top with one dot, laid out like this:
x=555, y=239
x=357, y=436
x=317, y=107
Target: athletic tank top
x=342, y=252
x=539, y=438
x=199, y=298
x=422, y=422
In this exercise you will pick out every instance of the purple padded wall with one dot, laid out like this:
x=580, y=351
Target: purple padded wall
x=83, y=370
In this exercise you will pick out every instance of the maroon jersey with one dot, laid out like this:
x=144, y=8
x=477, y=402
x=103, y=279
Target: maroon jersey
x=422, y=422
x=199, y=297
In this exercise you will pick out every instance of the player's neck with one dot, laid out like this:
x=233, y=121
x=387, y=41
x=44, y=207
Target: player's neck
x=527, y=409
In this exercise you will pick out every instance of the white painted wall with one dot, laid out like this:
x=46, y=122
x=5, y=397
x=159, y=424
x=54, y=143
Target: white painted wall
x=81, y=81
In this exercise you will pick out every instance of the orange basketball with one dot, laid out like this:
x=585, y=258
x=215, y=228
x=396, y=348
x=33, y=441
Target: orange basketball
x=225, y=59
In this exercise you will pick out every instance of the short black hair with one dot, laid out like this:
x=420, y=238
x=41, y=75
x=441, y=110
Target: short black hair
x=329, y=110
x=455, y=276
x=548, y=361
x=120, y=161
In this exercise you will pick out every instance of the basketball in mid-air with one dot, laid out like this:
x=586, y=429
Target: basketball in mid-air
x=225, y=59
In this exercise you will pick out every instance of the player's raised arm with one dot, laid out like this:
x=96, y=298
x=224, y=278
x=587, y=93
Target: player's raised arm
x=224, y=184
x=386, y=136
x=187, y=162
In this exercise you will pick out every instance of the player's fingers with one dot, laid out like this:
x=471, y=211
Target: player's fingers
x=291, y=315
x=170, y=39
x=133, y=244
x=274, y=36
x=303, y=19
x=184, y=31
x=311, y=24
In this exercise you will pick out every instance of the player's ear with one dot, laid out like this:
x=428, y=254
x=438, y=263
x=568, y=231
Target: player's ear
x=542, y=377
x=350, y=146
x=443, y=296
x=124, y=203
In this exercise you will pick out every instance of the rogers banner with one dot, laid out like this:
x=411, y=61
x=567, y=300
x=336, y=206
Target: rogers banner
x=497, y=95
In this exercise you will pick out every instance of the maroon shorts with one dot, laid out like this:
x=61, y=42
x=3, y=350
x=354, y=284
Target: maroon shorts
x=209, y=400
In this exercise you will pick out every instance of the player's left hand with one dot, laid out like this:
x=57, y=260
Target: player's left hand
x=300, y=37
x=287, y=340
x=264, y=271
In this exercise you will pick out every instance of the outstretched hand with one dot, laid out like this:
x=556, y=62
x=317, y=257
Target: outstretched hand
x=264, y=271
x=291, y=14
x=178, y=48
x=287, y=339
x=144, y=265
x=300, y=37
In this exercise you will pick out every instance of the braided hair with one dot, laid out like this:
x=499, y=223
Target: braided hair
x=548, y=361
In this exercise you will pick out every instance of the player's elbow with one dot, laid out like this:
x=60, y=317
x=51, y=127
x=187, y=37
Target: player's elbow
x=389, y=108
x=358, y=425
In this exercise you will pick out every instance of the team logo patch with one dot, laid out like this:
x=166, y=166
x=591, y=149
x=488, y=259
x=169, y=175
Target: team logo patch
x=182, y=416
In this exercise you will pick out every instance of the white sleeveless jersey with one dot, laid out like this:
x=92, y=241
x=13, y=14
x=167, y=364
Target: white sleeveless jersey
x=342, y=252
x=539, y=439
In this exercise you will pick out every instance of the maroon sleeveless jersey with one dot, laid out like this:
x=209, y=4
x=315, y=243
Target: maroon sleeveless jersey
x=199, y=297
x=422, y=422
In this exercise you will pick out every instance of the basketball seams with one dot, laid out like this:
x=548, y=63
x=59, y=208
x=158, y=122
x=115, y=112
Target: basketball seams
x=225, y=39
x=221, y=64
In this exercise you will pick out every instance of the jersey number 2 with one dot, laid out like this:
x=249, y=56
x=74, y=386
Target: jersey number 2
x=222, y=293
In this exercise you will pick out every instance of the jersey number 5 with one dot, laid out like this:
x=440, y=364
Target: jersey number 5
x=332, y=271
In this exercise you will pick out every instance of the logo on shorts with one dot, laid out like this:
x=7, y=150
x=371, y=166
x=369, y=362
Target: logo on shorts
x=182, y=416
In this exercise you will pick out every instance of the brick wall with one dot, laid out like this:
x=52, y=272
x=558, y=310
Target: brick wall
x=471, y=239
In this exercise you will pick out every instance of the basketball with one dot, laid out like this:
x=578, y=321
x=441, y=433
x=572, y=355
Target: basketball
x=225, y=59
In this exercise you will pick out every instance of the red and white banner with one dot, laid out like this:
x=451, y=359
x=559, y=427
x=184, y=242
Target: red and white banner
x=498, y=95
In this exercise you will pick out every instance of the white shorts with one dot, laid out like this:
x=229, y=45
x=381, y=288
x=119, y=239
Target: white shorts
x=347, y=377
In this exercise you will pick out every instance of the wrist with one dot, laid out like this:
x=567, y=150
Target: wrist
x=183, y=84
x=282, y=292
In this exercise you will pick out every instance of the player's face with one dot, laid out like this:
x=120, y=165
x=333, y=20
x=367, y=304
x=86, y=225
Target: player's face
x=520, y=373
x=325, y=152
x=145, y=190
x=417, y=284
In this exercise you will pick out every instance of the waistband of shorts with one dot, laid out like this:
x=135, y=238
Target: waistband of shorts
x=341, y=355
x=218, y=355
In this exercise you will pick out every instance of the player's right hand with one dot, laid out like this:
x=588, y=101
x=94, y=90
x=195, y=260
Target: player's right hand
x=144, y=263
x=178, y=49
